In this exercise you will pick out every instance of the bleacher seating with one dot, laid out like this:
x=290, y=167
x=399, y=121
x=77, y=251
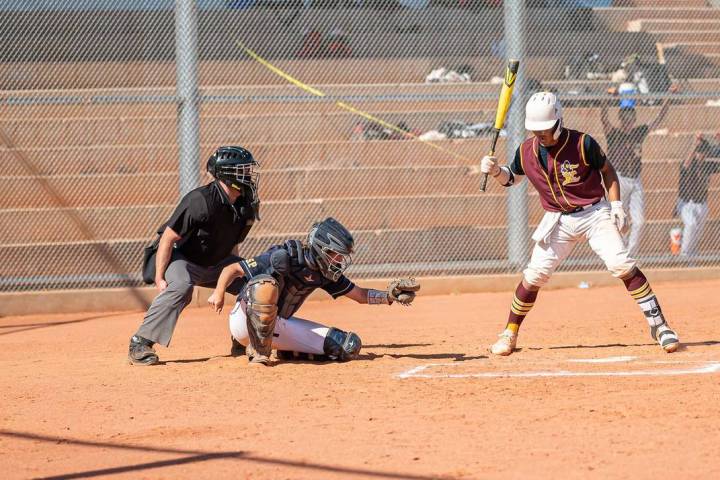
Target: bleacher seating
x=115, y=161
x=303, y=127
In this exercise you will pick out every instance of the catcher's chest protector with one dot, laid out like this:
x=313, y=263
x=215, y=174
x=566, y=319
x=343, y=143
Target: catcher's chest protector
x=297, y=285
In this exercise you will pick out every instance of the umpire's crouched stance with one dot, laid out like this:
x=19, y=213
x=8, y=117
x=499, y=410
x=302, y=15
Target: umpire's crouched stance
x=195, y=244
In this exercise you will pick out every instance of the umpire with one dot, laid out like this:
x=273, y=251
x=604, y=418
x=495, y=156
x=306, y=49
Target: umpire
x=195, y=244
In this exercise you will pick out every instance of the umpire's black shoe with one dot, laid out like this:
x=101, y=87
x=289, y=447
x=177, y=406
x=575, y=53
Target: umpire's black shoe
x=237, y=349
x=141, y=351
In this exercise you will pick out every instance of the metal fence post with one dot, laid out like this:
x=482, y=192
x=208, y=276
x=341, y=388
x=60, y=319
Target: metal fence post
x=188, y=129
x=517, y=211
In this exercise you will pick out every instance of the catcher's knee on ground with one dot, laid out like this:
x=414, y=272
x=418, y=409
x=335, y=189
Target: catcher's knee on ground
x=261, y=297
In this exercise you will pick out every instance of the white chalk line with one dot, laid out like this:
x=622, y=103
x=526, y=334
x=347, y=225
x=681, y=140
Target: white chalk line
x=704, y=368
x=626, y=358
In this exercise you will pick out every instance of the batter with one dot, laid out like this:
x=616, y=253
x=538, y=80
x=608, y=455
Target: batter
x=570, y=171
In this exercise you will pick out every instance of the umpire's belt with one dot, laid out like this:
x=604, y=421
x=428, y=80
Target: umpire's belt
x=580, y=209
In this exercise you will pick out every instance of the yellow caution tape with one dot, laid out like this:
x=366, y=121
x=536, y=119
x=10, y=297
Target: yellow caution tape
x=344, y=105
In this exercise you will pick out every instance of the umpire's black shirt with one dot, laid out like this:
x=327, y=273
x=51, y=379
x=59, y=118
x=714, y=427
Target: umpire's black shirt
x=210, y=226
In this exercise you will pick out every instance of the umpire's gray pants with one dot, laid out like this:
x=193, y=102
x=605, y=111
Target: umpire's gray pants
x=181, y=276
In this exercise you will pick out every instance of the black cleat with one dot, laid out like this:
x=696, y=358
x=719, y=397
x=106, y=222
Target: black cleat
x=288, y=355
x=141, y=352
x=237, y=349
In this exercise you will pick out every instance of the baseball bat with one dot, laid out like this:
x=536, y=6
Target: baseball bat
x=503, y=104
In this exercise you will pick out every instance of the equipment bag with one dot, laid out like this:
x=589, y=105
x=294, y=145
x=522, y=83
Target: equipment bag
x=148, y=264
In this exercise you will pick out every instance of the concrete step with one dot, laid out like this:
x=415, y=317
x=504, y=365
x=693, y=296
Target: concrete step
x=370, y=213
x=617, y=18
x=306, y=127
x=140, y=74
x=159, y=158
x=34, y=266
x=52, y=225
x=290, y=184
x=281, y=99
x=237, y=100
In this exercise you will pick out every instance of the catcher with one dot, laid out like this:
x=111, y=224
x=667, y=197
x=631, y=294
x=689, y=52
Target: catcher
x=278, y=281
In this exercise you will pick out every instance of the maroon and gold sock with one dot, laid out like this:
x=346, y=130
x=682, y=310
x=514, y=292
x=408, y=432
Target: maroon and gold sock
x=639, y=288
x=523, y=301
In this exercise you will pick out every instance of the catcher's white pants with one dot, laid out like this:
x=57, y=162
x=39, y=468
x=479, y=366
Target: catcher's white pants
x=594, y=225
x=633, y=198
x=693, y=216
x=293, y=334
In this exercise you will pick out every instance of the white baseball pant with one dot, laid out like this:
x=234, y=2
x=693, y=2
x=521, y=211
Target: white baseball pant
x=594, y=225
x=293, y=334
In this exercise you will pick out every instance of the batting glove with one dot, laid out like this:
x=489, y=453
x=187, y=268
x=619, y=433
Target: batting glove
x=489, y=165
x=617, y=212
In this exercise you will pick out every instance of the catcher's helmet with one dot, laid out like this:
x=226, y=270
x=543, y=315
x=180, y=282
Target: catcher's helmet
x=234, y=166
x=330, y=246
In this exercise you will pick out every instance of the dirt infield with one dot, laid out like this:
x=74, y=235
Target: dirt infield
x=588, y=396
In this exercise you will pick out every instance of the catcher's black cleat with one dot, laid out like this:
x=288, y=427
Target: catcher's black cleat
x=141, y=351
x=290, y=356
x=286, y=355
x=237, y=349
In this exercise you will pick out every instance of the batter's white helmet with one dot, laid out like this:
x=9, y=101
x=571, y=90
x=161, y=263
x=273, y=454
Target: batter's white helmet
x=542, y=112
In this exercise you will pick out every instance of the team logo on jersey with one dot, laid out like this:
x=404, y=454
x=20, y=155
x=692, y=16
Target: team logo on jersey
x=568, y=172
x=309, y=277
x=251, y=262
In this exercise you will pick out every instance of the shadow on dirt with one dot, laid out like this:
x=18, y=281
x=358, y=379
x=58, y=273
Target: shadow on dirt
x=191, y=360
x=193, y=456
x=683, y=345
x=35, y=326
x=455, y=357
x=321, y=360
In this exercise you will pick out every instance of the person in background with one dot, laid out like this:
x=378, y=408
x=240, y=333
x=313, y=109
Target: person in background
x=625, y=149
x=692, y=206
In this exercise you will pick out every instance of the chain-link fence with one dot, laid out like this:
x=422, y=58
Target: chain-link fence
x=89, y=126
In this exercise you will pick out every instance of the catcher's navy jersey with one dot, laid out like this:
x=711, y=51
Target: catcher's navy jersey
x=297, y=282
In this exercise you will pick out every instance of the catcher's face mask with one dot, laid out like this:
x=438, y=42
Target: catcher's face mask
x=335, y=263
x=236, y=168
x=331, y=246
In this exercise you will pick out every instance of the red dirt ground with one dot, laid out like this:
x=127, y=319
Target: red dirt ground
x=73, y=408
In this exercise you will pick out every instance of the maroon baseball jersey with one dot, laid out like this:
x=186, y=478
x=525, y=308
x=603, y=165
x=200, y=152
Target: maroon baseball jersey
x=566, y=175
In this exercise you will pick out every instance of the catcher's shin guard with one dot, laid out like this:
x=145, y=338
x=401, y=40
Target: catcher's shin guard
x=261, y=312
x=341, y=345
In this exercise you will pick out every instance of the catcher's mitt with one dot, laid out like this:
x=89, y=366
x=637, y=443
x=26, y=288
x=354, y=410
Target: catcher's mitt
x=403, y=290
